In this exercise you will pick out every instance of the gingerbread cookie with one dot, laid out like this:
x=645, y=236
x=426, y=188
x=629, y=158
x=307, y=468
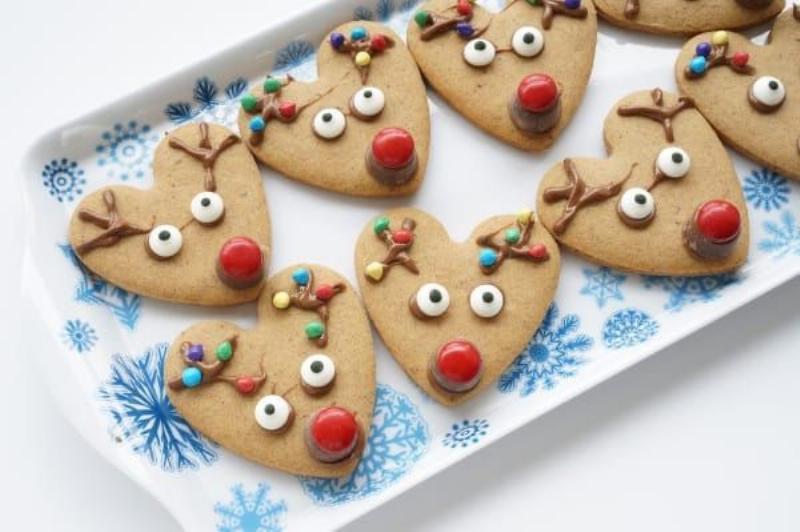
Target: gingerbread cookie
x=518, y=74
x=361, y=129
x=294, y=393
x=667, y=202
x=749, y=93
x=200, y=235
x=687, y=17
x=455, y=315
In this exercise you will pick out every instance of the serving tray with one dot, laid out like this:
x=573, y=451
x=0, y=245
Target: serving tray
x=100, y=348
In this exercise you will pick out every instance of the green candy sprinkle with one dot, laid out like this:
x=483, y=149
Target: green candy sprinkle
x=249, y=102
x=224, y=351
x=512, y=235
x=422, y=18
x=272, y=85
x=381, y=224
x=314, y=330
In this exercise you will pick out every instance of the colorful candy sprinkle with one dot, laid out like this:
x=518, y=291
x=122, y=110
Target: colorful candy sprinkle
x=512, y=235
x=740, y=59
x=381, y=224
x=464, y=8
x=281, y=300
x=698, y=64
x=249, y=102
x=378, y=43
x=363, y=59
x=704, y=49
x=487, y=258
x=272, y=85
x=374, y=271
x=324, y=292
x=314, y=330
x=337, y=40
x=358, y=33
x=195, y=352
x=719, y=38
x=422, y=18
x=464, y=30
x=572, y=4
x=524, y=216
x=224, y=351
x=301, y=276
x=257, y=124
x=191, y=377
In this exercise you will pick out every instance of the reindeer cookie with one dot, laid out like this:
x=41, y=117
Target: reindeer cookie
x=666, y=202
x=455, y=315
x=687, y=17
x=296, y=392
x=201, y=235
x=749, y=93
x=361, y=129
x=519, y=74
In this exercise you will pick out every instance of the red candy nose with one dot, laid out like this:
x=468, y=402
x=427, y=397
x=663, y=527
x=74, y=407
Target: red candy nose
x=718, y=220
x=393, y=147
x=537, y=92
x=459, y=361
x=334, y=430
x=240, y=261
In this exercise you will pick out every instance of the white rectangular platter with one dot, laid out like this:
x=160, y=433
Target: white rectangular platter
x=100, y=348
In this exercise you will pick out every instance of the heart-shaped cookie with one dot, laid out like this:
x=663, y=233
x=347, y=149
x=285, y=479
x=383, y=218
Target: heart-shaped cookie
x=200, y=235
x=749, y=93
x=519, y=74
x=455, y=315
x=666, y=202
x=687, y=17
x=361, y=129
x=294, y=393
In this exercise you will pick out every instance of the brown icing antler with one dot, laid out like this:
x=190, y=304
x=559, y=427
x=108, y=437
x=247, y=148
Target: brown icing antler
x=658, y=112
x=361, y=49
x=305, y=297
x=433, y=24
x=205, y=152
x=514, y=244
x=718, y=56
x=399, y=243
x=556, y=7
x=116, y=228
x=578, y=194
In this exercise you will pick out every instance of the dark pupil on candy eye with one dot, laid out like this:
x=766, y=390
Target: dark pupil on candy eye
x=163, y=235
x=677, y=158
x=269, y=409
x=367, y=94
x=435, y=296
x=488, y=297
x=773, y=85
x=316, y=366
x=480, y=46
x=205, y=202
x=327, y=117
x=640, y=199
x=528, y=38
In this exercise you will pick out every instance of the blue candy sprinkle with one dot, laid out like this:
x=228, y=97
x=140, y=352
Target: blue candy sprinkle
x=698, y=64
x=191, y=377
x=487, y=257
x=358, y=33
x=257, y=124
x=301, y=276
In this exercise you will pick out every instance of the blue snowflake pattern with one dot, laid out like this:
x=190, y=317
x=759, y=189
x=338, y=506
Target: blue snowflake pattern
x=551, y=355
x=251, y=512
x=384, y=10
x=628, y=327
x=466, y=433
x=125, y=150
x=141, y=410
x=686, y=290
x=764, y=189
x=398, y=438
x=93, y=290
x=603, y=284
x=297, y=58
x=208, y=104
x=79, y=336
x=783, y=236
x=63, y=179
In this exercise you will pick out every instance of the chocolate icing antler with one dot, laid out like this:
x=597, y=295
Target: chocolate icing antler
x=714, y=54
x=513, y=246
x=205, y=152
x=433, y=24
x=398, y=242
x=116, y=228
x=569, y=8
x=361, y=47
x=578, y=193
x=658, y=112
x=305, y=297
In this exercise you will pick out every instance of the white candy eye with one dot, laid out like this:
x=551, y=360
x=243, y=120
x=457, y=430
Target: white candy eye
x=207, y=207
x=636, y=206
x=673, y=162
x=317, y=371
x=479, y=52
x=486, y=301
x=768, y=91
x=431, y=301
x=165, y=241
x=329, y=123
x=527, y=41
x=273, y=413
x=368, y=102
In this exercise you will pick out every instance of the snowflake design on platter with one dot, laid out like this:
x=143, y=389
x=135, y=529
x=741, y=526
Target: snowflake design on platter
x=686, y=290
x=551, y=355
x=63, y=179
x=764, y=189
x=251, y=511
x=628, y=327
x=603, y=284
x=393, y=13
x=466, y=433
x=79, y=336
x=126, y=149
x=398, y=438
x=209, y=105
x=297, y=58
x=141, y=411
x=783, y=237
x=92, y=290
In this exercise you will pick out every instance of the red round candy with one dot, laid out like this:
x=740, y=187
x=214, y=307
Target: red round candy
x=245, y=385
x=378, y=43
x=538, y=252
x=334, y=429
x=324, y=292
x=241, y=260
x=740, y=59
x=537, y=92
x=287, y=109
x=402, y=236
x=718, y=220
x=393, y=147
x=459, y=361
x=464, y=8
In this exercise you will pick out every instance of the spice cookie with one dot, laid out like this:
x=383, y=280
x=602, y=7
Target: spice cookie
x=200, y=235
x=749, y=93
x=667, y=201
x=455, y=315
x=361, y=129
x=294, y=393
x=518, y=74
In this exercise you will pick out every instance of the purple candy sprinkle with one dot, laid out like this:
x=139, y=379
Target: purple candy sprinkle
x=572, y=4
x=195, y=352
x=704, y=49
x=465, y=29
x=337, y=40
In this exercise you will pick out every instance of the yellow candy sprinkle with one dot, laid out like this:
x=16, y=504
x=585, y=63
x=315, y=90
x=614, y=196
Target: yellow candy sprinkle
x=363, y=59
x=524, y=216
x=374, y=271
x=719, y=38
x=281, y=300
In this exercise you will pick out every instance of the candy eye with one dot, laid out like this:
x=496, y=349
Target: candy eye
x=527, y=41
x=317, y=373
x=767, y=93
x=273, y=413
x=329, y=123
x=636, y=207
x=164, y=241
x=479, y=52
x=368, y=103
x=207, y=207
x=486, y=301
x=430, y=301
x=673, y=162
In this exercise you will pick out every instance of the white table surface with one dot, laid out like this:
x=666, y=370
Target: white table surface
x=704, y=436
